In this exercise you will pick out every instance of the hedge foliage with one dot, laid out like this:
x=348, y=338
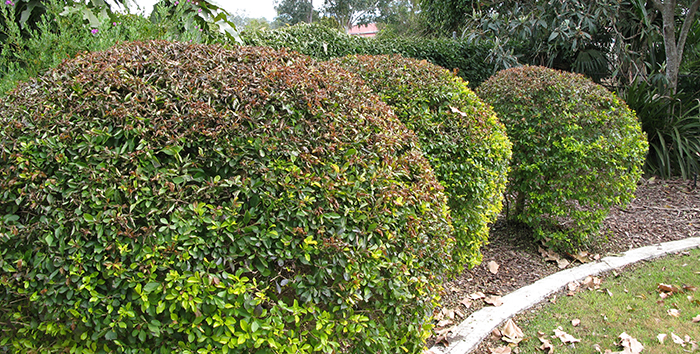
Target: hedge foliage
x=461, y=136
x=577, y=150
x=171, y=197
x=324, y=43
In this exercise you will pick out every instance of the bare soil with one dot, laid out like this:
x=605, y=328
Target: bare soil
x=663, y=210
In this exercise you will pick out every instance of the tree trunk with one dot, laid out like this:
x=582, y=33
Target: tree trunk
x=674, y=49
x=311, y=11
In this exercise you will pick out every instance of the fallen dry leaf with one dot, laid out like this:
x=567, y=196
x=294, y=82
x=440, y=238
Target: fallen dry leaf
x=477, y=295
x=668, y=288
x=696, y=319
x=689, y=288
x=494, y=300
x=459, y=313
x=631, y=345
x=553, y=299
x=575, y=322
x=581, y=256
x=661, y=337
x=449, y=313
x=677, y=339
x=565, y=337
x=467, y=302
x=592, y=283
x=551, y=256
x=511, y=332
x=674, y=312
x=573, y=286
x=444, y=330
x=501, y=350
x=496, y=333
x=546, y=346
x=493, y=267
x=442, y=339
x=445, y=322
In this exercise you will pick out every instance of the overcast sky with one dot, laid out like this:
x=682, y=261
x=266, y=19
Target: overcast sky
x=252, y=8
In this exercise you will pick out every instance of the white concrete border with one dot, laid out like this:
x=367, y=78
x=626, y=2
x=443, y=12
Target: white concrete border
x=466, y=336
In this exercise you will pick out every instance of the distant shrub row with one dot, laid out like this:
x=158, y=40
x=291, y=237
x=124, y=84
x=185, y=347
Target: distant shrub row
x=323, y=43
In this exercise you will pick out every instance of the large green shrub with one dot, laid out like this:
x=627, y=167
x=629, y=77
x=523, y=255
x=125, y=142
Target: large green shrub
x=323, y=43
x=459, y=134
x=577, y=150
x=172, y=197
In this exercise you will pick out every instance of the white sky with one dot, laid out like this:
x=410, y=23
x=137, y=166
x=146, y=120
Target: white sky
x=251, y=8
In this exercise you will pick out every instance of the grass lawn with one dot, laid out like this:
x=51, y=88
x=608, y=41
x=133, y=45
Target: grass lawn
x=632, y=302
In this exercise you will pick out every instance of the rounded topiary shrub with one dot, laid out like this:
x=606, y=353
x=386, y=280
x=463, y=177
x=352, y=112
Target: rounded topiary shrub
x=460, y=135
x=166, y=197
x=577, y=150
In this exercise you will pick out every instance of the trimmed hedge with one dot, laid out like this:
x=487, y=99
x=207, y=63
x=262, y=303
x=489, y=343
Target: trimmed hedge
x=323, y=43
x=460, y=135
x=172, y=197
x=577, y=150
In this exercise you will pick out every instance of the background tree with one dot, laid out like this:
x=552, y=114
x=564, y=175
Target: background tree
x=353, y=12
x=672, y=11
x=291, y=12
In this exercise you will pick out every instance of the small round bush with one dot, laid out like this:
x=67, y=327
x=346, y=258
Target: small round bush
x=459, y=134
x=169, y=197
x=577, y=150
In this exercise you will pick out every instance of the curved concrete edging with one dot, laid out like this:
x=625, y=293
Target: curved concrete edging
x=466, y=336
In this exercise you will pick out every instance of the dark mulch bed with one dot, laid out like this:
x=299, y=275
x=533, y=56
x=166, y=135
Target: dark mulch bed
x=663, y=210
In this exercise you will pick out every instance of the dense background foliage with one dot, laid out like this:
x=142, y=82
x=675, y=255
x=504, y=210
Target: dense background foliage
x=324, y=43
x=168, y=196
x=461, y=136
x=577, y=150
x=36, y=36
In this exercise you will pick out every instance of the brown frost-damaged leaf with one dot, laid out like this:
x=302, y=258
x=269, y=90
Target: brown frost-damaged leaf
x=500, y=350
x=493, y=267
x=512, y=333
x=631, y=345
x=565, y=337
x=494, y=300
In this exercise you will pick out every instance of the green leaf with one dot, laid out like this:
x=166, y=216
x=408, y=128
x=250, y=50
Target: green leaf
x=150, y=287
x=111, y=335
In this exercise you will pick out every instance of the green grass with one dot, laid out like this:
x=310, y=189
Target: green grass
x=632, y=305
